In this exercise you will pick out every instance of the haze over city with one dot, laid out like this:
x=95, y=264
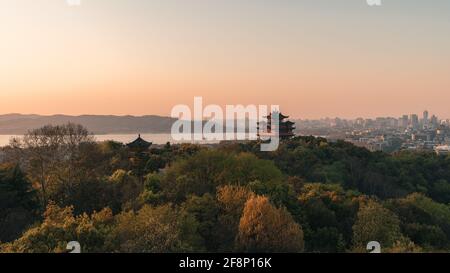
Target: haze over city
x=313, y=58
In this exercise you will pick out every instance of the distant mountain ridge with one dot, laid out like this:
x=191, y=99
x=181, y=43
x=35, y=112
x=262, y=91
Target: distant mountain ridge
x=17, y=124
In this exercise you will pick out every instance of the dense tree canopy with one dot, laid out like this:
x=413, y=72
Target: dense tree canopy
x=59, y=227
x=58, y=185
x=376, y=223
x=18, y=202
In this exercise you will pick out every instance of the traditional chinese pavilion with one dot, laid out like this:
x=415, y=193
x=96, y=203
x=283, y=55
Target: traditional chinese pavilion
x=286, y=127
x=139, y=156
x=139, y=145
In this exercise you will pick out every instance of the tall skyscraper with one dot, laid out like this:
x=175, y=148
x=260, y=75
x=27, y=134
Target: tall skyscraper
x=425, y=119
x=415, y=121
x=434, y=121
x=404, y=121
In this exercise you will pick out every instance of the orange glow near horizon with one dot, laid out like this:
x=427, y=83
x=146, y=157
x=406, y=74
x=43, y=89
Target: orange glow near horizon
x=312, y=58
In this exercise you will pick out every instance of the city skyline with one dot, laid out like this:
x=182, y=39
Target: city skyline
x=313, y=58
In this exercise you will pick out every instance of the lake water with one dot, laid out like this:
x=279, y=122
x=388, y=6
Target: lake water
x=125, y=138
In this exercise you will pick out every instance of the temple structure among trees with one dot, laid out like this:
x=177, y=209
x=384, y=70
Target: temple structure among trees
x=139, y=156
x=286, y=127
x=139, y=145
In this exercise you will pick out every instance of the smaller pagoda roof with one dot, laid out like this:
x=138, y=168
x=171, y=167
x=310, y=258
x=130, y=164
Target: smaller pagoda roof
x=140, y=144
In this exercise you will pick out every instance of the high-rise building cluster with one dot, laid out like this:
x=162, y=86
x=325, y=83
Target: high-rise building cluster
x=410, y=131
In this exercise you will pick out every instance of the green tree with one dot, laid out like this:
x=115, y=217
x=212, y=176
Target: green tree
x=156, y=230
x=208, y=169
x=326, y=240
x=152, y=190
x=18, y=203
x=205, y=209
x=231, y=201
x=328, y=208
x=60, y=227
x=155, y=163
x=57, y=158
x=376, y=223
x=126, y=188
x=425, y=221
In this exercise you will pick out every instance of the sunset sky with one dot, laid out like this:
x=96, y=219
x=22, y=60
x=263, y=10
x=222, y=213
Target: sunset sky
x=315, y=58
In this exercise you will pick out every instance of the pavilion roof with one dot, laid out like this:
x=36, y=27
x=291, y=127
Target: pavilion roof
x=280, y=115
x=139, y=143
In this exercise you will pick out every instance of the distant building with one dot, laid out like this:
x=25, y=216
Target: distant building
x=425, y=119
x=434, y=121
x=414, y=121
x=404, y=121
x=442, y=150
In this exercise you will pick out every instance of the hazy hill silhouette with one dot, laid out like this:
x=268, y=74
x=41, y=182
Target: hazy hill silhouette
x=12, y=124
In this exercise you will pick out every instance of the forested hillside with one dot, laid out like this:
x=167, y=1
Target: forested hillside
x=58, y=185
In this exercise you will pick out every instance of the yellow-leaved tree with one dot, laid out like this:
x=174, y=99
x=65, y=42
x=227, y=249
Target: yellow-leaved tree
x=265, y=228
